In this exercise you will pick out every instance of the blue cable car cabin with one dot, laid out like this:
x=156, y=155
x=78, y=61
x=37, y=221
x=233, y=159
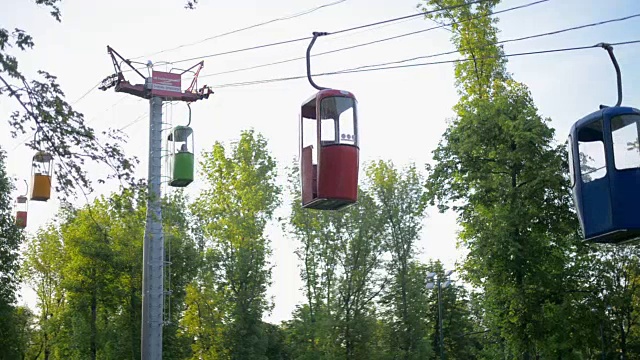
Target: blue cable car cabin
x=604, y=161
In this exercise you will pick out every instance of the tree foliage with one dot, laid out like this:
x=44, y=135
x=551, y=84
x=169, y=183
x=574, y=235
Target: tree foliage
x=10, y=240
x=475, y=35
x=86, y=270
x=365, y=297
x=58, y=128
x=341, y=255
x=529, y=288
x=499, y=168
x=233, y=211
x=399, y=197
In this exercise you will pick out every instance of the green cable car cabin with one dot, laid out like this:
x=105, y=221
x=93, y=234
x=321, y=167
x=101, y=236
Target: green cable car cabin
x=181, y=157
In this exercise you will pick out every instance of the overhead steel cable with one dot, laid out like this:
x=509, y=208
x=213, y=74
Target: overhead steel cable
x=331, y=33
x=243, y=49
x=555, y=32
x=349, y=71
x=375, y=41
x=287, y=17
x=85, y=94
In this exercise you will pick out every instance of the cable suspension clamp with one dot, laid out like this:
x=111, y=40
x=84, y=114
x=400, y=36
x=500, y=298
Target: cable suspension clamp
x=313, y=40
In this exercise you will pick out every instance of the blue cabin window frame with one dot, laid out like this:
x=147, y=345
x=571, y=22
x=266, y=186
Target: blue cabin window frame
x=603, y=162
x=570, y=160
x=618, y=156
x=607, y=208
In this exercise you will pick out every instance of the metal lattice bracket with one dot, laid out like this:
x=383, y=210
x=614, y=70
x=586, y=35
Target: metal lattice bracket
x=146, y=90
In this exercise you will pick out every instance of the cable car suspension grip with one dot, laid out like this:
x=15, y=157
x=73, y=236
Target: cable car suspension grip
x=609, y=49
x=189, y=106
x=315, y=36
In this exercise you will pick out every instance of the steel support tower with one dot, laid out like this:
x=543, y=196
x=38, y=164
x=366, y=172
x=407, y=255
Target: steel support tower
x=158, y=87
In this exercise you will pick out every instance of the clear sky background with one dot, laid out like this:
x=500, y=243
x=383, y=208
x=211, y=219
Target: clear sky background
x=402, y=112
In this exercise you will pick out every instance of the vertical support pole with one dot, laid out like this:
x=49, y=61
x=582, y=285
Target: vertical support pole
x=440, y=319
x=153, y=252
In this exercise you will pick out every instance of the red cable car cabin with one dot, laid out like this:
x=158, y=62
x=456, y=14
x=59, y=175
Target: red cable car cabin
x=329, y=159
x=21, y=211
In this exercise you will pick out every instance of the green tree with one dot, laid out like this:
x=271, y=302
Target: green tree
x=125, y=213
x=460, y=327
x=361, y=280
x=182, y=259
x=406, y=294
x=90, y=278
x=233, y=210
x=311, y=334
x=10, y=239
x=59, y=130
x=17, y=328
x=25, y=325
x=499, y=168
x=87, y=273
x=191, y=4
x=276, y=344
x=614, y=299
x=342, y=256
x=399, y=194
x=474, y=34
x=205, y=315
x=515, y=210
x=42, y=271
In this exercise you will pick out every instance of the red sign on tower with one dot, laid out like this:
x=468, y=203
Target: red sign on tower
x=166, y=84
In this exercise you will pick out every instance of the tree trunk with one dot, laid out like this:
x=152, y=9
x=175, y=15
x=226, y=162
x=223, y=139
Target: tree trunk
x=405, y=308
x=135, y=340
x=47, y=351
x=94, y=313
x=519, y=271
x=347, y=333
x=623, y=341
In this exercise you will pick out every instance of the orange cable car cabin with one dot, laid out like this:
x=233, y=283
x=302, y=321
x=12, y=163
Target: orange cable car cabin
x=42, y=167
x=329, y=159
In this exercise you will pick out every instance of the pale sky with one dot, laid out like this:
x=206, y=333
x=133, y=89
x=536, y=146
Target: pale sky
x=402, y=113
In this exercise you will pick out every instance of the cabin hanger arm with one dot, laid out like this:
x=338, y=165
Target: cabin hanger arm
x=313, y=40
x=609, y=49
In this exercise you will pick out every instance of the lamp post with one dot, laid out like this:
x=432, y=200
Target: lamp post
x=431, y=276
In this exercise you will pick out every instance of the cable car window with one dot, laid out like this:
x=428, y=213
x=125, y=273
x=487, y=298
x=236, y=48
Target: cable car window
x=624, y=131
x=591, y=152
x=343, y=110
x=328, y=131
x=572, y=174
x=348, y=122
x=310, y=137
